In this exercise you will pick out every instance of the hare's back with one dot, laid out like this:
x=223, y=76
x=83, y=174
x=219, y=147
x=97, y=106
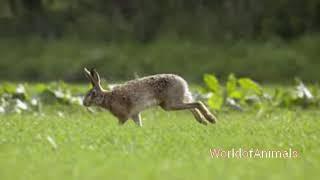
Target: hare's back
x=159, y=86
x=163, y=87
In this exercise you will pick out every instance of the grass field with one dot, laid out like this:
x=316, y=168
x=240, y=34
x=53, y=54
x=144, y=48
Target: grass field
x=71, y=143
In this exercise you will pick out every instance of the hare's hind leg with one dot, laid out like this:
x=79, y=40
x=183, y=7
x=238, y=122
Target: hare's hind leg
x=196, y=113
x=198, y=105
x=207, y=114
x=137, y=119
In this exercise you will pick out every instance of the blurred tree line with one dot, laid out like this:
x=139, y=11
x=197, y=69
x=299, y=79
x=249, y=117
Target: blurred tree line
x=146, y=20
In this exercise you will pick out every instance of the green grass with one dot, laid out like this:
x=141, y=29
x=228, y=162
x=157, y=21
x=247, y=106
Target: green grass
x=169, y=145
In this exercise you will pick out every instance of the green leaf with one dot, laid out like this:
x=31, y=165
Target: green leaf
x=231, y=84
x=232, y=88
x=215, y=102
x=212, y=82
x=9, y=88
x=249, y=85
x=236, y=95
x=39, y=88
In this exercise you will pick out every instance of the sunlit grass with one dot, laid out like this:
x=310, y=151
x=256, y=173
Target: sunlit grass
x=169, y=145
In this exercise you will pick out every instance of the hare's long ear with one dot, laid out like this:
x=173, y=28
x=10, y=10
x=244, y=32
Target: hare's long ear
x=88, y=75
x=95, y=76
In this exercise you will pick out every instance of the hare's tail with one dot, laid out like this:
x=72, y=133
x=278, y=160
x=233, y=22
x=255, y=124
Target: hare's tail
x=188, y=98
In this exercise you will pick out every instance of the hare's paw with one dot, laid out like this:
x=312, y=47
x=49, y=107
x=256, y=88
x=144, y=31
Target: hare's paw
x=211, y=118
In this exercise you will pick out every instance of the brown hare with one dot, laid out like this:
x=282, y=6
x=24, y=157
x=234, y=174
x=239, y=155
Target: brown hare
x=127, y=100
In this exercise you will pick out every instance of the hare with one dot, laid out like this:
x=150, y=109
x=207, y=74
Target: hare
x=127, y=100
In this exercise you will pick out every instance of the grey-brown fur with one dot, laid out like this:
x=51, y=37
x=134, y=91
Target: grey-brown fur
x=127, y=100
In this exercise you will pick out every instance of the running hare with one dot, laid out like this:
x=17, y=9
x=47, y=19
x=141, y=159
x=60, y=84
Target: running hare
x=127, y=100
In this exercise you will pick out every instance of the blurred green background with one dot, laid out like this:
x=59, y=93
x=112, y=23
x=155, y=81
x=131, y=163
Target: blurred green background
x=267, y=40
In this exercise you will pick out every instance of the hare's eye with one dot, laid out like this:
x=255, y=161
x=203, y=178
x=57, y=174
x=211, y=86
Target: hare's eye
x=93, y=93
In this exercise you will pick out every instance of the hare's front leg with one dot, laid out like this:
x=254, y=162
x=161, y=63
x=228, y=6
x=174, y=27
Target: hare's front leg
x=122, y=121
x=137, y=119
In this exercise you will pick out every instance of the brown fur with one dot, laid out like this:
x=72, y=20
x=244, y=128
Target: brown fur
x=127, y=100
